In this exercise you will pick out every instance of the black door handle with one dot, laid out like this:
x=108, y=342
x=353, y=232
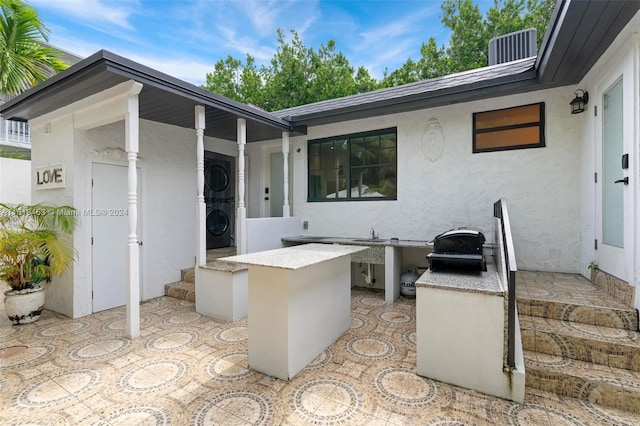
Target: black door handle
x=625, y=180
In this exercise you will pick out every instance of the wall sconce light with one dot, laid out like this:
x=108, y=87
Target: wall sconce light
x=579, y=102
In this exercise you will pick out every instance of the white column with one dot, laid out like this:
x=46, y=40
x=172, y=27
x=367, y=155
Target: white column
x=201, y=208
x=286, y=210
x=241, y=217
x=133, y=249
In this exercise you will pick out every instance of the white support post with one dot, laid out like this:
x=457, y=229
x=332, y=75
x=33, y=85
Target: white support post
x=201, y=240
x=133, y=249
x=241, y=237
x=286, y=209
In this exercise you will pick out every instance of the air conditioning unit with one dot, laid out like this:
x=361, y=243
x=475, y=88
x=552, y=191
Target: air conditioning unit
x=513, y=46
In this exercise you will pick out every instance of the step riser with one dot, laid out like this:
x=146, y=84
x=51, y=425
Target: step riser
x=610, y=354
x=612, y=395
x=181, y=290
x=605, y=317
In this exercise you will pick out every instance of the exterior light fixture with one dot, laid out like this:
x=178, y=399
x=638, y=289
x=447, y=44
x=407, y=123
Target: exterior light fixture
x=579, y=102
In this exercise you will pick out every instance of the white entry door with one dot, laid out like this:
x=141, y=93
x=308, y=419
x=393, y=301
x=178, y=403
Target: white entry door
x=613, y=196
x=277, y=184
x=110, y=229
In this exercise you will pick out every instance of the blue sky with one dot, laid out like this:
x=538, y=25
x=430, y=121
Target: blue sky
x=185, y=38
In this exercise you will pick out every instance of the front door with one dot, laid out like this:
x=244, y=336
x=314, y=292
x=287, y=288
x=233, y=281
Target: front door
x=277, y=184
x=110, y=228
x=613, y=196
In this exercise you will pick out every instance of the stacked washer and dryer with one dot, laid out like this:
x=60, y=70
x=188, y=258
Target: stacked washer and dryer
x=219, y=196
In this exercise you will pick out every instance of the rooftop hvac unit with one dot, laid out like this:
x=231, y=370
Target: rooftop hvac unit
x=513, y=46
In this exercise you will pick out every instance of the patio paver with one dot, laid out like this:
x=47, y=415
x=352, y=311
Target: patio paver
x=187, y=368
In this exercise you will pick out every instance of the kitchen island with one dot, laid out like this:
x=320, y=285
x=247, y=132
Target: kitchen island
x=299, y=304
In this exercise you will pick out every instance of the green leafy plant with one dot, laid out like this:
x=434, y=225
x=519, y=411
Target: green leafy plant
x=35, y=243
x=592, y=265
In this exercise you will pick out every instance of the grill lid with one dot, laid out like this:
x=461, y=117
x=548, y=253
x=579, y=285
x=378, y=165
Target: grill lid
x=458, y=249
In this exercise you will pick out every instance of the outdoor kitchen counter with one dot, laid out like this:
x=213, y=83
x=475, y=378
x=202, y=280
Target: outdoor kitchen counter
x=461, y=330
x=387, y=252
x=299, y=304
x=477, y=282
x=304, y=239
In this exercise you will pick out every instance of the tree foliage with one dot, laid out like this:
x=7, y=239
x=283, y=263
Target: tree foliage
x=24, y=59
x=299, y=75
x=296, y=75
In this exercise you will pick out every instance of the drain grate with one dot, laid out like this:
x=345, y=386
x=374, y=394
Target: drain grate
x=12, y=351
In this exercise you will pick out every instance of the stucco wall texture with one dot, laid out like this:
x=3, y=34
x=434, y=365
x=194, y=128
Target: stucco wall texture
x=443, y=185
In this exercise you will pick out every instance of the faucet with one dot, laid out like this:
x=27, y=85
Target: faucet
x=373, y=234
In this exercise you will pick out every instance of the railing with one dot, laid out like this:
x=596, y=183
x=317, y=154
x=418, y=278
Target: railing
x=500, y=211
x=14, y=132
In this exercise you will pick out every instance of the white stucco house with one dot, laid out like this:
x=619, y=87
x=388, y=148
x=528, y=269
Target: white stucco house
x=161, y=170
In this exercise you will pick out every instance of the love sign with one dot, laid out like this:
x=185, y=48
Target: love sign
x=50, y=176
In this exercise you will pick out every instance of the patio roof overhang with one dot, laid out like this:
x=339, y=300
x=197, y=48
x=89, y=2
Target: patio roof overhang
x=163, y=99
x=579, y=33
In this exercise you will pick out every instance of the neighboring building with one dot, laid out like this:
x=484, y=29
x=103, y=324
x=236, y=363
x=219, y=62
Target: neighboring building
x=410, y=161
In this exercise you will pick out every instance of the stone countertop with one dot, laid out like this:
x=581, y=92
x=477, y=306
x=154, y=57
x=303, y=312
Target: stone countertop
x=220, y=265
x=295, y=257
x=360, y=241
x=475, y=282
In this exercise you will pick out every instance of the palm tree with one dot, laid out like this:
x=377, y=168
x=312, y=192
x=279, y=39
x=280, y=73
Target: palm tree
x=24, y=58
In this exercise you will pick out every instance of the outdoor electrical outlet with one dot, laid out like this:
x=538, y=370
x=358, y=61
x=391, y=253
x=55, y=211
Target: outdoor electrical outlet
x=305, y=225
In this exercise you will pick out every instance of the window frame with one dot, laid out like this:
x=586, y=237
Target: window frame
x=348, y=175
x=540, y=124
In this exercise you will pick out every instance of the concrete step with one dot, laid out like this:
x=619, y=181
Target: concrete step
x=588, y=312
x=188, y=275
x=181, y=290
x=612, y=347
x=598, y=384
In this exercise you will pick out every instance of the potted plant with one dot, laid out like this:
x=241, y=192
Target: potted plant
x=35, y=245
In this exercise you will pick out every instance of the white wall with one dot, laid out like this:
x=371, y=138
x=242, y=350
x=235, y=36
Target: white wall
x=266, y=233
x=167, y=200
x=168, y=194
x=451, y=187
x=15, y=180
x=56, y=146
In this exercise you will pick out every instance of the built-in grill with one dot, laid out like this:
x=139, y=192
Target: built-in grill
x=458, y=249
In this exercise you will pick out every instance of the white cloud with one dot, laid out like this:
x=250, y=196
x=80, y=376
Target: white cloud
x=95, y=13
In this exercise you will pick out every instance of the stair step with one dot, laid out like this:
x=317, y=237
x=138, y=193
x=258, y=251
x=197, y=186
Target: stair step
x=214, y=254
x=599, y=384
x=615, y=317
x=181, y=290
x=188, y=275
x=607, y=346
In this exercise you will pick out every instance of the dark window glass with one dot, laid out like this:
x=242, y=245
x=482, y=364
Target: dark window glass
x=354, y=167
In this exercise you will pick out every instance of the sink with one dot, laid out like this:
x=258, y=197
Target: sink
x=369, y=240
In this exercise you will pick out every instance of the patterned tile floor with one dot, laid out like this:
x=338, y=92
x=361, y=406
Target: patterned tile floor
x=188, y=369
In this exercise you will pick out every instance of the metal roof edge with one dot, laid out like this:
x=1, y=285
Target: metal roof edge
x=128, y=68
x=104, y=60
x=527, y=78
x=557, y=17
x=37, y=91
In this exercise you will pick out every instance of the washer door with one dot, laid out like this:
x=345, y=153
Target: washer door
x=217, y=223
x=217, y=178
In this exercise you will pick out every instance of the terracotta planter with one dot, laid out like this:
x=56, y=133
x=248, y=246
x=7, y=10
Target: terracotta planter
x=24, y=306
